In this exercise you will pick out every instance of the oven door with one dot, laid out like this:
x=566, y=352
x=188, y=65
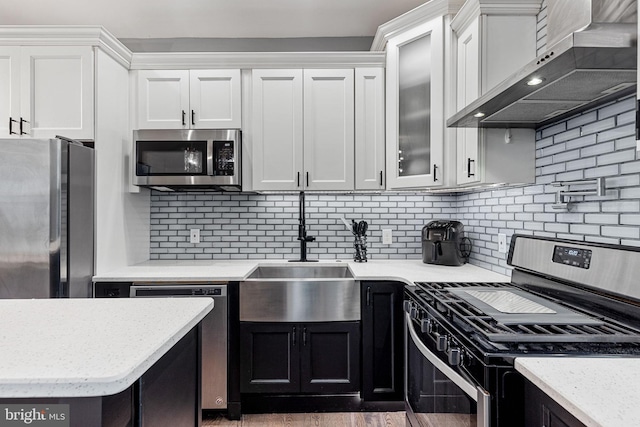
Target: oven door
x=437, y=395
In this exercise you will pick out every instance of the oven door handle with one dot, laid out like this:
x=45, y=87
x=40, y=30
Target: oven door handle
x=477, y=393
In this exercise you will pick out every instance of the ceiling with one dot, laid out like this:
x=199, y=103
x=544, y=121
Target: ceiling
x=141, y=19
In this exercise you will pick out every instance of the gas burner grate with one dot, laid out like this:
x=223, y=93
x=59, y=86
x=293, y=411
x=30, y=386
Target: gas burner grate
x=472, y=319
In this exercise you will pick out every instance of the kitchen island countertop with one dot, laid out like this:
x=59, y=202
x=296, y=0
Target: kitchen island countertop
x=87, y=347
x=405, y=270
x=600, y=392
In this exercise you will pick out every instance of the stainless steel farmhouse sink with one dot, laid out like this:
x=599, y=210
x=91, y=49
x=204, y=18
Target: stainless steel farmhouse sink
x=300, y=294
x=302, y=272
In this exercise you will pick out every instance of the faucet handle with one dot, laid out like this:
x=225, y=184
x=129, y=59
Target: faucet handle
x=309, y=238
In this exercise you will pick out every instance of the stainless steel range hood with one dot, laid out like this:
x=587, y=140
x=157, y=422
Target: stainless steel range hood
x=591, y=59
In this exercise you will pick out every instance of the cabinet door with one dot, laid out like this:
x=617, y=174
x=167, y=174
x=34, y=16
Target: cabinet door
x=163, y=99
x=269, y=358
x=382, y=341
x=415, y=107
x=57, y=91
x=369, y=115
x=277, y=129
x=215, y=99
x=328, y=130
x=9, y=91
x=467, y=90
x=330, y=361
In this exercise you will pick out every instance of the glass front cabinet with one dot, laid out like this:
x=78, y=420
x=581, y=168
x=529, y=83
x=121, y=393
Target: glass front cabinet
x=415, y=106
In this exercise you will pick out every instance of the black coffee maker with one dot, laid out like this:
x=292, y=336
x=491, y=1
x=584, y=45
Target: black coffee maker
x=443, y=243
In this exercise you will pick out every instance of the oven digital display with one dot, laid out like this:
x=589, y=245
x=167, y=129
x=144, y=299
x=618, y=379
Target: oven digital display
x=574, y=257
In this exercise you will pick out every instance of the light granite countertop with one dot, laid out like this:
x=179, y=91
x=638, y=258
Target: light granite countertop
x=600, y=392
x=406, y=270
x=88, y=347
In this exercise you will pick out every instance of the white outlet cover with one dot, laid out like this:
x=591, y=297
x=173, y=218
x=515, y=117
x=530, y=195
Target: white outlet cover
x=387, y=236
x=194, y=235
x=502, y=243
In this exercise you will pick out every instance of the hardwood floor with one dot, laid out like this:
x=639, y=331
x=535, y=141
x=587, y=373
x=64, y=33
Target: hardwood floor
x=324, y=419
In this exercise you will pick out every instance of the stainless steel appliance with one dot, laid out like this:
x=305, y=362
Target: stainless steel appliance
x=564, y=298
x=188, y=160
x=590, y=58
x=214, y=334
x=46, y=218
x=443, y=243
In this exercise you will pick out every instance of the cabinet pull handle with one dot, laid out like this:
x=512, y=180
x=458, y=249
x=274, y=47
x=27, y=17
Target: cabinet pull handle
x=380, y=178
x=304, y=337
x=298, y=179
x=11, y=121
x=193, y=117
x=183, y=116
x=307, y=179
x=435, y=170
x=469, y=161
x=21, y=123
x=368, y=296
x=294, y=336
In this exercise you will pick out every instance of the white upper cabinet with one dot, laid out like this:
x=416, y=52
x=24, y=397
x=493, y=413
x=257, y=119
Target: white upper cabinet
x=183, y=99
x=46, y=91
x=215, y=99
x=277, y=129
x=9, y=91
x=492, y=41
x=303, y=129
x=328, y=130
x=415, y=106
x=369, y=129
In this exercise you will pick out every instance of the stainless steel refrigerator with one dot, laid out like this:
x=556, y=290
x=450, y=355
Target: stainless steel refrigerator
x=46, y=218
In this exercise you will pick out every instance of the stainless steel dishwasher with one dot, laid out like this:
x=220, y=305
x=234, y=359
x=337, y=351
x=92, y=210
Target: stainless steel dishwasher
x=214, y=333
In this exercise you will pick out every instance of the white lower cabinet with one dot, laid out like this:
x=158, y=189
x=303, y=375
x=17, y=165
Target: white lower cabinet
x=47, y=91
x=303, y=129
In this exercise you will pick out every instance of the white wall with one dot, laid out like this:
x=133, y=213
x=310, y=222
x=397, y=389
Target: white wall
x=122, y=218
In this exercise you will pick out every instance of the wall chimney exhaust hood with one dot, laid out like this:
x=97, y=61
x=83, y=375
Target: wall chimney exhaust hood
x=591, y=58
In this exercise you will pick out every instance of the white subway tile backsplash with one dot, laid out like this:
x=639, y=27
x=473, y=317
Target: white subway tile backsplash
x=237, y=226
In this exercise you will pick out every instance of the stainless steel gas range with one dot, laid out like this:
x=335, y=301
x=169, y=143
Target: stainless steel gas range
x=565, y=298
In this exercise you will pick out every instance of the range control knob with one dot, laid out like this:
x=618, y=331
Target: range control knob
x=406, y=305
x=441, y=342
x=454, y=356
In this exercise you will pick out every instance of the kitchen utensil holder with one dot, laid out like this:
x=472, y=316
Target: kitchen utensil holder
x=360, y=248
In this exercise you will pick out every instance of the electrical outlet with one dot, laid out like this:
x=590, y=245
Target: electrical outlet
x=387, y=236
x=194, y=235
x=502, y=243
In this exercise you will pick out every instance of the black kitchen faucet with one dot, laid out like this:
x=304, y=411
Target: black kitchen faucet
x=302, y=232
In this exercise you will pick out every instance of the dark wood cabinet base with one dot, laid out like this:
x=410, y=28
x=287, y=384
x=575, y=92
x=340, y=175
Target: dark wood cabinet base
x=167, y=395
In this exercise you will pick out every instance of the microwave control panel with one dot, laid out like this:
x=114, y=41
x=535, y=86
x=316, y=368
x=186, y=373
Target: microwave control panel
x=223, y=158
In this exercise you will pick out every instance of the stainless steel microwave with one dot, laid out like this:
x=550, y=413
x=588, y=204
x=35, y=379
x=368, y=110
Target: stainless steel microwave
x=188, y=160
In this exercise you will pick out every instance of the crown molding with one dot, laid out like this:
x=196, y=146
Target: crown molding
x=59, y=35
x=204, y=60
x=423, y=13
x=474, y=8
